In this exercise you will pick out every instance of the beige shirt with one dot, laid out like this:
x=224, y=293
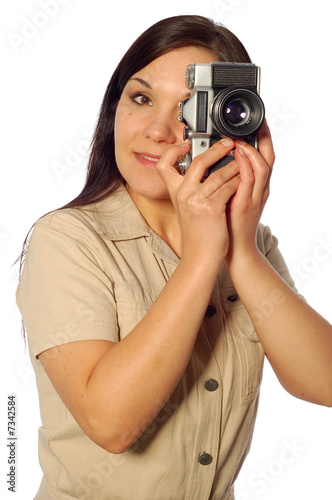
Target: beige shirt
x=93, y=273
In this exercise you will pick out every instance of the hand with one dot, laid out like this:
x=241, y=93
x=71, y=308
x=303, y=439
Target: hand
x=246, y=206
x=201, y=206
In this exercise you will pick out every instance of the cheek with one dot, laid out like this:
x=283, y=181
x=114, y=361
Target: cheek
x=124, y=138
x=126, y=128
x=120, y=119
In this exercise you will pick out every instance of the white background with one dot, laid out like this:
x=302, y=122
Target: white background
x=55, y=69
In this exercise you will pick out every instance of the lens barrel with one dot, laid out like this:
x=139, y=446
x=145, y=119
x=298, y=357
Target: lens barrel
x=237, y=112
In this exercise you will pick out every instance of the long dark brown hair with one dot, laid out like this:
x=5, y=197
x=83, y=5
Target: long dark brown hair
x=103, y=176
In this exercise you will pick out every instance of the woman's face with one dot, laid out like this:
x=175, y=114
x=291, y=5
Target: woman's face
x=146, y=120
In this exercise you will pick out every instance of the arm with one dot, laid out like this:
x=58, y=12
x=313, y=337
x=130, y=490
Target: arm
x=115, y=390
x=296, y=339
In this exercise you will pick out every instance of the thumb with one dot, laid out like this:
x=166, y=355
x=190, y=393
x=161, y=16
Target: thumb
x=167, y=166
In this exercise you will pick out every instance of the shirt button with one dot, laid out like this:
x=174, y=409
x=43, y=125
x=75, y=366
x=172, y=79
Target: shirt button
x=205, y=459
x=211, y=311
x=211, y=385
x=233, y=298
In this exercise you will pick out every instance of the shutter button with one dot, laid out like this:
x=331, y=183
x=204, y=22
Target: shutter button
x=211, y=311
x=211, y=385
x=205, y=459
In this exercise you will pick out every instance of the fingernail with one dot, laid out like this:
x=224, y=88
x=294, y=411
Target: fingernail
x=226, y=142
x=183, y=145
x=242, y=152
x=244, y=143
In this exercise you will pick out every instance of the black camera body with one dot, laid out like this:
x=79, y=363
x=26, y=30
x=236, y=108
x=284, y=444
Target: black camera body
x=224, y=102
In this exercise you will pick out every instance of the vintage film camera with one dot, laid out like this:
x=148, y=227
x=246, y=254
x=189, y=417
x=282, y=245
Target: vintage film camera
x=224, y=102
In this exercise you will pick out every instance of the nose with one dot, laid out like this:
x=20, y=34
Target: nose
x=164, y=127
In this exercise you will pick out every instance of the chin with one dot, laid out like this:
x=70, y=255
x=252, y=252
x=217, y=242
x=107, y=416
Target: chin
x=150, y=190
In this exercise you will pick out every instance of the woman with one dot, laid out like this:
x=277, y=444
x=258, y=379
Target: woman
x=145, y=298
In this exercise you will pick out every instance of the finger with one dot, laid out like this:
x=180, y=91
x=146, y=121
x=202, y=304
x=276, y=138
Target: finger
x=226, y=191
x=260, y=169
x=247, y=175
x=265, y=145
x=166, y=165
x=202, y=162
x=218, y=178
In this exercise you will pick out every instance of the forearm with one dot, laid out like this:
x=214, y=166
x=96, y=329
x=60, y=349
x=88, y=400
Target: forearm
x=296, y=339
x=135, y=377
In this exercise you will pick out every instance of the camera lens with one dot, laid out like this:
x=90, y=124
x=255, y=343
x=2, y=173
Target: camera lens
x=237, y=112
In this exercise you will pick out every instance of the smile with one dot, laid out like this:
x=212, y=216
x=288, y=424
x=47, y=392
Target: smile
x=147, y=160
x=150, y=158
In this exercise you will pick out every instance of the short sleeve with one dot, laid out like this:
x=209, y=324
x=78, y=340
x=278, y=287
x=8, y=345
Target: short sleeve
x=64, y=294
x=269, y=246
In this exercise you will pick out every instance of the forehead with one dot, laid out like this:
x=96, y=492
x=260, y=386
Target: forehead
x=170, y=67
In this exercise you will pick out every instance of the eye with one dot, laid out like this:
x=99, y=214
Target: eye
x=141, y=99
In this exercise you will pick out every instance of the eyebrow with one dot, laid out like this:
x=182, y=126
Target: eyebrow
x=147, y=85
x=143, y=82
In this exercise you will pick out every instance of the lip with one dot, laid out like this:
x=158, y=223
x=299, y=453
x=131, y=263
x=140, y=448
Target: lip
x=143, y=158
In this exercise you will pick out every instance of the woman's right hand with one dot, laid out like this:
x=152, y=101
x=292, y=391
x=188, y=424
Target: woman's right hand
x=201, y=204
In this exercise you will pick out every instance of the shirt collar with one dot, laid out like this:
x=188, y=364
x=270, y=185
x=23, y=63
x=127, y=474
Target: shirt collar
x=118, y=219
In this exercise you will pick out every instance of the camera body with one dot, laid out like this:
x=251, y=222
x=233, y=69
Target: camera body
x=224, y=102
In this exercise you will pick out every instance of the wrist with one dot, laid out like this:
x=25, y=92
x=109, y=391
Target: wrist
x=247, y=269
x=242, y=259
x=203, y=267
x=204, y=256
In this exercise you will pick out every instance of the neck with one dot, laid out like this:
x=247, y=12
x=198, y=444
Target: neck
x=160, y=215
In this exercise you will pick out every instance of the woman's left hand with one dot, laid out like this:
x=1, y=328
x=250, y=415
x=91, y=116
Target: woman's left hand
x=246, y=206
